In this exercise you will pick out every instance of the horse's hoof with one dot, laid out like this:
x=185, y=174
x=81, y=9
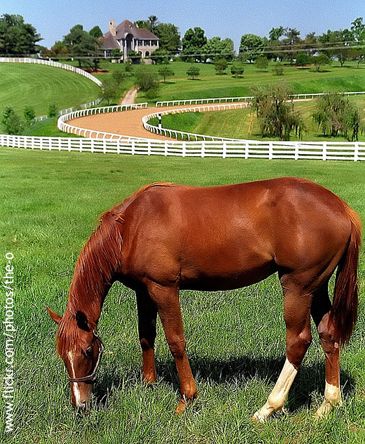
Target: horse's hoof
x=181, y=407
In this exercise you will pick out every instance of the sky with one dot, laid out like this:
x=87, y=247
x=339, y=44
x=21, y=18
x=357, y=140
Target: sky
x=224, y=18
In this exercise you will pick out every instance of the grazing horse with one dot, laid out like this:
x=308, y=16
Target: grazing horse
x=168, y=237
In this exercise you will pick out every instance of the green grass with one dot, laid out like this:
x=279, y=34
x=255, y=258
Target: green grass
x=39, y=86
x=47, y=128
x=334, y=78
x=50, y=202
x=243, y=124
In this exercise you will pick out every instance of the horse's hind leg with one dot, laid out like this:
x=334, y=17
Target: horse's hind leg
x=321, y=307
x=298, y=338
x=168, y=305
x=147, y=313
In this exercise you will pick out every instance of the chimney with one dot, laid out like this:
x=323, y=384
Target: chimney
x=112, y=28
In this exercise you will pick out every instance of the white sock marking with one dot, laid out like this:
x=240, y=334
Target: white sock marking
x=279, y=394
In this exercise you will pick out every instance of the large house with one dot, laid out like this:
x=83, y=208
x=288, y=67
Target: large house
x=128, y=37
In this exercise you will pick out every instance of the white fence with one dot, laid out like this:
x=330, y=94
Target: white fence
x=183, y=135
x=244, y=99
x=51, y=63
x=246, y=149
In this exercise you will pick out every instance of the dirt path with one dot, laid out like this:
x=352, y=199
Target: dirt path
x=129, y=97
x=126, y=123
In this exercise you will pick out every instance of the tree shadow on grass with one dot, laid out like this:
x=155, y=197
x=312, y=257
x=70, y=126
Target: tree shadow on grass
x=311, y=377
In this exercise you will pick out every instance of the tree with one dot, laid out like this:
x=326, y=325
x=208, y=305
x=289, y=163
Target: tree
x=119, y=76
x=152, y=23
x=96, y=32
x=193, y=72
x=276, y=33
x=16, y=36
x=109, y=91
x=81, y=44
x=262, y=63
x=358, y=30
x=58, y=50
x=291, y=40
x=165, y=71
x=29, y=115
x=52, y=110
x=11, y=121
x=169, y=37
x=193, y=43
x=276, y=116
x=320, y=60
x=278, y=69
x=251, y=46
x=339, y=43
x=336, y=115
x=220, y=66
x=160, y=56
x=147, y=80
x=216, y=48
x=303, y=59
x=237, y=69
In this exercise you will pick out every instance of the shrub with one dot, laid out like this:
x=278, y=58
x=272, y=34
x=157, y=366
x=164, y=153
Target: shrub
x=220, y=66
x=147, y=80
x=303, y=59
x=335, y=115
x=11, y=121
x=193, y=72
x=52, y=110
x=110, y=90
x=134, y=57
x=276, y=115
x=119, y=76
x=237, y=69
x=278, y=69
x=262, y=63
x=165, y=72
x=29, y=115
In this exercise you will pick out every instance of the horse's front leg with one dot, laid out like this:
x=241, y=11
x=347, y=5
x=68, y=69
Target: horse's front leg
x=168, y=305
x=147, y=313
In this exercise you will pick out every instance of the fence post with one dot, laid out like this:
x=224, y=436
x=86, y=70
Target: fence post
x=324, y=151
x=166, y=148
x=296, y=151
x=184, y=149
x=224, y=153
x=356, y=152
x=202, y=153
x=133, y=147
x=104, y=146
x=246, y=150
x=270, y=151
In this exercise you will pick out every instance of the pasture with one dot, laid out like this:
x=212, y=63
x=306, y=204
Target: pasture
x=243, y=123
x=300, y=80
x=39, y=86
x=235, y=340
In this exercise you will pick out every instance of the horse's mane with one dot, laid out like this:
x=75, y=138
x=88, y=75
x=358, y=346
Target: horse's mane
x=94, y=270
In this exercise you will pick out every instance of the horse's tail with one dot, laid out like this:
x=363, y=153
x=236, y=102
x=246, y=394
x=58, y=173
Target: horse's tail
x=345, y=301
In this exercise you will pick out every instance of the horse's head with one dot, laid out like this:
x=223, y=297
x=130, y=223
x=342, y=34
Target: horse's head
x=81, y=349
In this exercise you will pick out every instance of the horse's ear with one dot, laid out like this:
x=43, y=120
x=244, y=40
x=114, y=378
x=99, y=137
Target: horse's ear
x=56, y=317
x=82, y=321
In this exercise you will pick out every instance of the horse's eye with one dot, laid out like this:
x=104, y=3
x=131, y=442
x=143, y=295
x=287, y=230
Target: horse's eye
x=89, y=351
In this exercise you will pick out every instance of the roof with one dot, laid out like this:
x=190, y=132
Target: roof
x=109, y=42
x=122, y=30
x=128, y=27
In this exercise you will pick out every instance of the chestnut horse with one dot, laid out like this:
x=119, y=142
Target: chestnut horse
x=168, y=237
